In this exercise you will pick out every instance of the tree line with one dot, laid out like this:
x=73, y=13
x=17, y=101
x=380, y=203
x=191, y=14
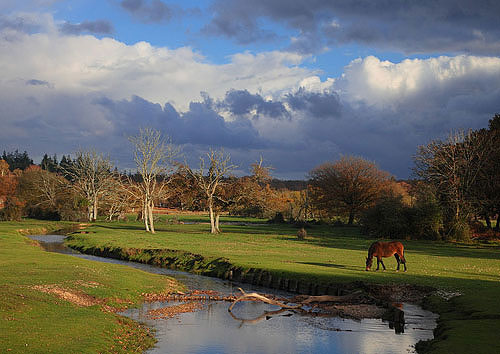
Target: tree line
x=456, y=185
x=89, y=186
x=456, y=182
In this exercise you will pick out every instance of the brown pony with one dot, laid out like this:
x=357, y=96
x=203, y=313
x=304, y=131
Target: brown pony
x=385, y=249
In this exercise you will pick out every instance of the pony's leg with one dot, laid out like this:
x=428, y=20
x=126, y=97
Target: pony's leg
x=403, y=260
x=397, y=259
x=382, y=262
x=378, y=263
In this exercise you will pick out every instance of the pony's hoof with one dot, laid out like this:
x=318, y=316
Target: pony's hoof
x=397, y=271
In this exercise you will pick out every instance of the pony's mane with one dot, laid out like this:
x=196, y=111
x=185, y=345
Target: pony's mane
x=371, y=249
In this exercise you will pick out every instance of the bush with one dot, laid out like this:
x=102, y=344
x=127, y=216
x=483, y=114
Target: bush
x=388, y=218
x=277, y=219
x=458, y=230
x=302, y=234
x=13, y=209
x=391, y=218
x=426, y=219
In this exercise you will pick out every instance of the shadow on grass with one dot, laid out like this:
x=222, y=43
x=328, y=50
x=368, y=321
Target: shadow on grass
x=348, y=238
x=330, y=265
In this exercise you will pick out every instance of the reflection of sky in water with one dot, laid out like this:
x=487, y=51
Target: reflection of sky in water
x=213, y=330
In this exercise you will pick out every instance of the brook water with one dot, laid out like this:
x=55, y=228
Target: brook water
x=212, y=329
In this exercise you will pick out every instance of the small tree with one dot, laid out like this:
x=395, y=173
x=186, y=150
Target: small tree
x=219, y=165
x=347, y=186
x=154, y=157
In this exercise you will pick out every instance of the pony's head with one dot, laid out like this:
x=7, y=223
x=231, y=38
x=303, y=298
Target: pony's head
x=368, y=263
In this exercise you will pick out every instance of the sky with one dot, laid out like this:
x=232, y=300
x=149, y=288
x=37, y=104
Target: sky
x=296, y=82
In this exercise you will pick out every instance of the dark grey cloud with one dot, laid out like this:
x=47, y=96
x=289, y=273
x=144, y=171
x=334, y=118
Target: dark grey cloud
x=428, y=26
x=240, y=102
x=148, y=11
x=200, y=125
x=95, y=27
x=317, y=104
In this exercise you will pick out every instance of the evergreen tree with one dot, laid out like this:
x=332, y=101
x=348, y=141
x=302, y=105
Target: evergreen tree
x=17, y=160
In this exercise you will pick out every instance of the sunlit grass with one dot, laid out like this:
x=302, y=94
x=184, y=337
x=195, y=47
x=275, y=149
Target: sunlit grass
x=335, y=254
x=36, y=322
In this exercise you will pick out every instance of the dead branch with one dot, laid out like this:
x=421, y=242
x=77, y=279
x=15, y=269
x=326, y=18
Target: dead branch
x=266, y=315
x=249, y=296
x=329, y=298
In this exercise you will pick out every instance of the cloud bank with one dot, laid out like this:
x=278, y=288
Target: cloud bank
x=440, y=26
x=72, y=91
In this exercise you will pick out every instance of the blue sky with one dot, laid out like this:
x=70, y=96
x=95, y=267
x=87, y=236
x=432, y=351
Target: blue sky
x=297, y=82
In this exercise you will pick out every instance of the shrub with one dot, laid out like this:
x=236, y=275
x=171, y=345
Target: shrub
x=426, y=219
x=388, y=218
x=301, y=234
x=391, y=218
x=277, y=219
x=13, y=209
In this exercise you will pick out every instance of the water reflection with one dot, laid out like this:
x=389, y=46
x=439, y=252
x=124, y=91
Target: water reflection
x=261, y=328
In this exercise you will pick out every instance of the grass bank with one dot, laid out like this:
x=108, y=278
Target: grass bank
x=334, y=255
x=55, y=303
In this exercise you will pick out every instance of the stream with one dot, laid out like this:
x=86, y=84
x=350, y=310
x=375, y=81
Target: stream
x=212, y=329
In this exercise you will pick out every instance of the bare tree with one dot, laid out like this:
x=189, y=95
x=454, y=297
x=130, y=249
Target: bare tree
x=154, y=156
x=91, y=173
x=117, y=199
x=347, y=186
x=219, y=165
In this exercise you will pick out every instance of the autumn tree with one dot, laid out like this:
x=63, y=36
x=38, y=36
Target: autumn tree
x=10, y=206
x=252, y=195
x=347, y=186
x=4, y=168
x=91, y=174
x=154, y=156
x=210, y=179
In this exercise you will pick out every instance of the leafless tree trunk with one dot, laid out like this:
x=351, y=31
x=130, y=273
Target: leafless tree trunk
x=154, y=157
x=219, y=165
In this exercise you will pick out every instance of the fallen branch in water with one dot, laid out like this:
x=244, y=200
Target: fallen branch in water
x=325, y=298
x=266, y=315
x=249, y=296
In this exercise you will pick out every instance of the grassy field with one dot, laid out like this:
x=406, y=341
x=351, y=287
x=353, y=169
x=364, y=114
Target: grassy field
x=54, y=303
x=469, y=323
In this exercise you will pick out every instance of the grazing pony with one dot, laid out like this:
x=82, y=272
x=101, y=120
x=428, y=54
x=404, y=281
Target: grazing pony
x=385, y=249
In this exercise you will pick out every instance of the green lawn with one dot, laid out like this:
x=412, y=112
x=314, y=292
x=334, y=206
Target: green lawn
x=469, y=322
x=34, y=321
